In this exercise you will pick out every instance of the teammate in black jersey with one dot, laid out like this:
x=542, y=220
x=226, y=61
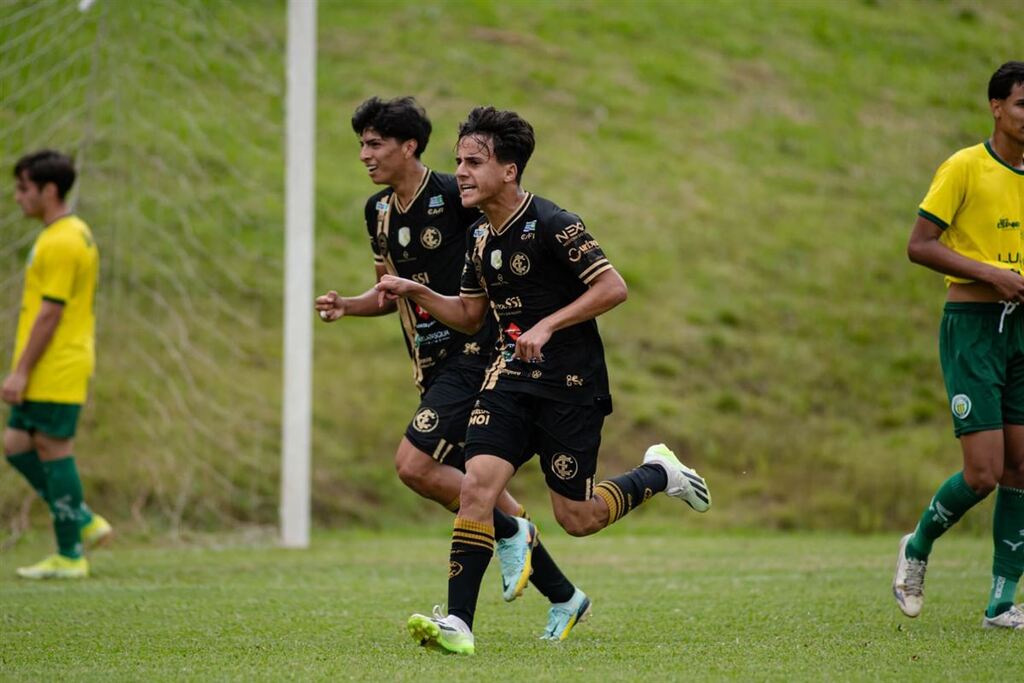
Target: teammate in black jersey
x=546, y=279
x=418, y=229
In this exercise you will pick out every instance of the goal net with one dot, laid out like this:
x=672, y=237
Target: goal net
x=173, y=111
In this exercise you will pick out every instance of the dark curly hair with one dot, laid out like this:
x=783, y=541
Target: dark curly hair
x=511, y=135
x=401, y=118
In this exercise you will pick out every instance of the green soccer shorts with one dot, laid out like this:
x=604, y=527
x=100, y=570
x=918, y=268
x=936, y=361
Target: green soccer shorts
x=57, y=420
x=981, y=347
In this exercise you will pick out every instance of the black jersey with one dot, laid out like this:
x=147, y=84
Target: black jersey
x=426, y=242
x=541, y=260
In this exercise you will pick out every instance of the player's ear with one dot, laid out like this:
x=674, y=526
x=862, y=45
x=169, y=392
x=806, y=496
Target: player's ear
x=997, y=108
x=511, y=171
x=409, y=147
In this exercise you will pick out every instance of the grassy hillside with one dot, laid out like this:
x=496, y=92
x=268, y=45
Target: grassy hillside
x=752, y=169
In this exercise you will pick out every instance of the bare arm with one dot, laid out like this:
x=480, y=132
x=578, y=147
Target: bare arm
x=39, y=338
x=606, y=292
x=333, y=306
x=465, y=314
x=924, y=248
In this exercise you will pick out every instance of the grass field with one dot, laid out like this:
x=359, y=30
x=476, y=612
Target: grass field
x=667, y=606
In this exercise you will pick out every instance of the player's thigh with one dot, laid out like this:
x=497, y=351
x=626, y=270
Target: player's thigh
x=502, y=424
x=568, y=443
x=438, y=428
x=52, y=426
x=974, y=362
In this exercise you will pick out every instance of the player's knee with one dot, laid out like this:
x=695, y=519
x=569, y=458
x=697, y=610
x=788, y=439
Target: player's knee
x=414, y=472
x=982, y=481
x=476, y=492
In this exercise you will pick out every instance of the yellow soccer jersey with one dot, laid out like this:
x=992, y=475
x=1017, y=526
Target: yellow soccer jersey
x=62, y=266
x=978, y=201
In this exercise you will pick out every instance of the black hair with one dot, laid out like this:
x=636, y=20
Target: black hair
x=1003, y=80
x=401, y=118
x=511, y=135
x=48, y=166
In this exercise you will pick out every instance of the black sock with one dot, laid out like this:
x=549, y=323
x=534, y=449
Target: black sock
x=505, y=525
x=548, y=578
x=630, y=490
x=472, y=547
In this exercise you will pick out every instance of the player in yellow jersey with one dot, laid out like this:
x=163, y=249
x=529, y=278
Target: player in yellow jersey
x=969, y=229
x=53, y=360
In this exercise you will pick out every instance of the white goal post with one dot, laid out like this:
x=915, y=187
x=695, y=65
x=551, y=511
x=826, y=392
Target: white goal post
x=300, y=164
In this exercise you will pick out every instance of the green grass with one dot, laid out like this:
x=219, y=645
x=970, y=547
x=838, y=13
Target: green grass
x=668, y=605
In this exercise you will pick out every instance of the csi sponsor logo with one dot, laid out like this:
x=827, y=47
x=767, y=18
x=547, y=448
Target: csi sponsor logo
x=422, y=278
x=425, y=420
x=431, y=238
x=564, y=466
x=512, y=303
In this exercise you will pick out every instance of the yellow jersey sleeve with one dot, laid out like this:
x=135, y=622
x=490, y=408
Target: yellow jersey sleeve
x=58, y=260
x=947, y=192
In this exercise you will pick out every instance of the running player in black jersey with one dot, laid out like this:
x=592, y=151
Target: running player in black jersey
x=546, y=279
x=418, y=229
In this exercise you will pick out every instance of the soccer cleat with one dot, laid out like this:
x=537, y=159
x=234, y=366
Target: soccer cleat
x=515, y=555
x=908, y=584
x=442, y=632
x=1012, y=618
x=683, y=482
x=564, y=615
x=97, y=532
x=56, y=567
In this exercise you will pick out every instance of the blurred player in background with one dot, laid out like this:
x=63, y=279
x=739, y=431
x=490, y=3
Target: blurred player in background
x=546, y=279
x=418, y=229
x=53, y=361
x=969, y=229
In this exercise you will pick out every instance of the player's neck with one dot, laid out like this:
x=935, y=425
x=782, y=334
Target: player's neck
x=54, y=213
x=1009, y=150
x=407, y=185
x=503, y=205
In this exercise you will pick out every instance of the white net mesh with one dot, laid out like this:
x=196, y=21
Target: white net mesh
x=177, y=133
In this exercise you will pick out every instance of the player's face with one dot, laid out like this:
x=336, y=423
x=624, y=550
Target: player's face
x=383, y=157
x=1009, y=114
x=28, y=196
x=480, y=175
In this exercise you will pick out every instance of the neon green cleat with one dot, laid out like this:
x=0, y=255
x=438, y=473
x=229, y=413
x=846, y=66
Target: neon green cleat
x=442, y=632
x=683, y=483
x=57, y=567
x=97, y=532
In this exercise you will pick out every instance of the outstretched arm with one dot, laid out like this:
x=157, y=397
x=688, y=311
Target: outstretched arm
x=606, y=291
x=924, y=248
x=462, y=313
x=333, y=306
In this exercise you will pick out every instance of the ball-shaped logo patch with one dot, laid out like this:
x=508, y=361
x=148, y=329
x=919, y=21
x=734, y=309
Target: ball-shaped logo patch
x=961, y=406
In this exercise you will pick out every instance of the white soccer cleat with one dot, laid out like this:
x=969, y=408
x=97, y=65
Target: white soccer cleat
x=442, y=632
x=683, y=482
x=908, y=584
x=1012, y=618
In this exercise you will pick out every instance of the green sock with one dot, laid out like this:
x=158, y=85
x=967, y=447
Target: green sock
x=64, y=493
x=32, y=469
x=953, y=499
x=1008, y=557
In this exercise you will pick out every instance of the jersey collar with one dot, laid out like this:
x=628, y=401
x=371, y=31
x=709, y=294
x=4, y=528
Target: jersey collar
x=516, y=215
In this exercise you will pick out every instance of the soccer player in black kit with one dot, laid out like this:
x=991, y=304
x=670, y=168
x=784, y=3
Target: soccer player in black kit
x=418, y=229
x=546, y=279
